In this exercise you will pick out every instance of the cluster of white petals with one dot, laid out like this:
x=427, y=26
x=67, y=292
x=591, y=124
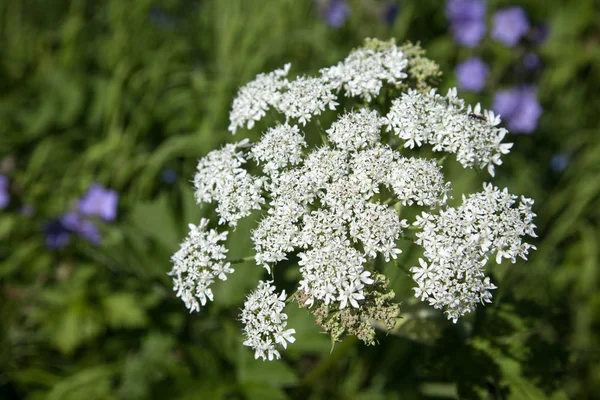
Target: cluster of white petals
x=337, y=207
x=221, y=178
x=345, y=190
x=333, y=273
x=199, y=260
x=305, y=97
x=356, y=130
x=446, y=124
x=265, y=322
x=278, y=147
x=364, y=71
x=362, y=74
x=256, y=97
x=413, y=180
x=458, y=243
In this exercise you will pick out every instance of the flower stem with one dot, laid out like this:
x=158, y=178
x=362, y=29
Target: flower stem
x=291, y=297
x=240, y=260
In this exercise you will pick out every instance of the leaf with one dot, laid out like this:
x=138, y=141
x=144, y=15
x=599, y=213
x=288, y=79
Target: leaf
x=274, y=373
x=156, y=220
x=90, y=384
x=147, y=367
x=263, y=392
x=76, y=325
x=124, y=310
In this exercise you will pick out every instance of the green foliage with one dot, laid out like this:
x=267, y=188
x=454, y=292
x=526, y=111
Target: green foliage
x=118, y=91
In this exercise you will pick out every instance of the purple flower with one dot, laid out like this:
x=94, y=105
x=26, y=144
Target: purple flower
x=160, y=19
x=510, y=25
x=539, y=33
x=83, y=228
x=467, y=21
x=4, y=195
x=519, y=108
x=336, y=13
x=531, y=61
x=169, y=176
x=389, y=13
x=57, y=234
x=27, y=210
x=559, y=162
x=58, y=230
x=471, y=74
x=99, y=201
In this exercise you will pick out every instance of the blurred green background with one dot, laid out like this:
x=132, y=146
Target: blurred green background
x=130, y=94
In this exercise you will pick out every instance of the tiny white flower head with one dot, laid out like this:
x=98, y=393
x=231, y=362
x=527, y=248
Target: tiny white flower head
x=279, y=147
x=199, y=260
x=255, y=98
x=459, y=242
x=265, y=322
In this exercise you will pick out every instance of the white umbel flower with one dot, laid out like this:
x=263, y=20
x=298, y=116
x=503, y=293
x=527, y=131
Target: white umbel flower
x=446, y=124
x=256, y=97
x=458, y=243
x=305, y=97
x=338, y=206
x=265, y=322
x=221, y=178
x=279, y=147
x=356, y=130
x=363, y=72
x=333, y=273
x=413, y=180
x=197, y=263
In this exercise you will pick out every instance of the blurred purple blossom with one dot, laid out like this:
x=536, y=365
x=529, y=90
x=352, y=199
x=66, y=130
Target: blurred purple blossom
x=58, y=230
x=335, y=13
x=27, y=210
x=519, y=108
x=531, y=61
x=160, y=19
x=57, y=234
x=510, y=25
x=471, y=74
x=99, y=201
x=390, y=12
x=539, y=33
x=4, y=195
x=467, y=21
x=559, y=162
x=73, y=222
x=169, y=175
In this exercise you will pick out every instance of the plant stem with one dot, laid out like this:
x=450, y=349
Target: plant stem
x=330, y=361
x=240, y=260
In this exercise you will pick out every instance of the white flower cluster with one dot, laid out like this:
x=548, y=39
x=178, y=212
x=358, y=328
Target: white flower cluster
x=221, y=178
x=458, y=243
x=256, y=97
x=363, y=73
x=279, y=147
x=356, y=130
x=199, y=260
x=265, y=322
x=444, y=123
x=305, y=97
x=336, y=207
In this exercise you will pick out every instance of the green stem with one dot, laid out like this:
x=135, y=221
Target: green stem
x=240, y=260
x=410, y=238
x=322, y=132
x=291, y=297
x=403, y=268
x=330, y=361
